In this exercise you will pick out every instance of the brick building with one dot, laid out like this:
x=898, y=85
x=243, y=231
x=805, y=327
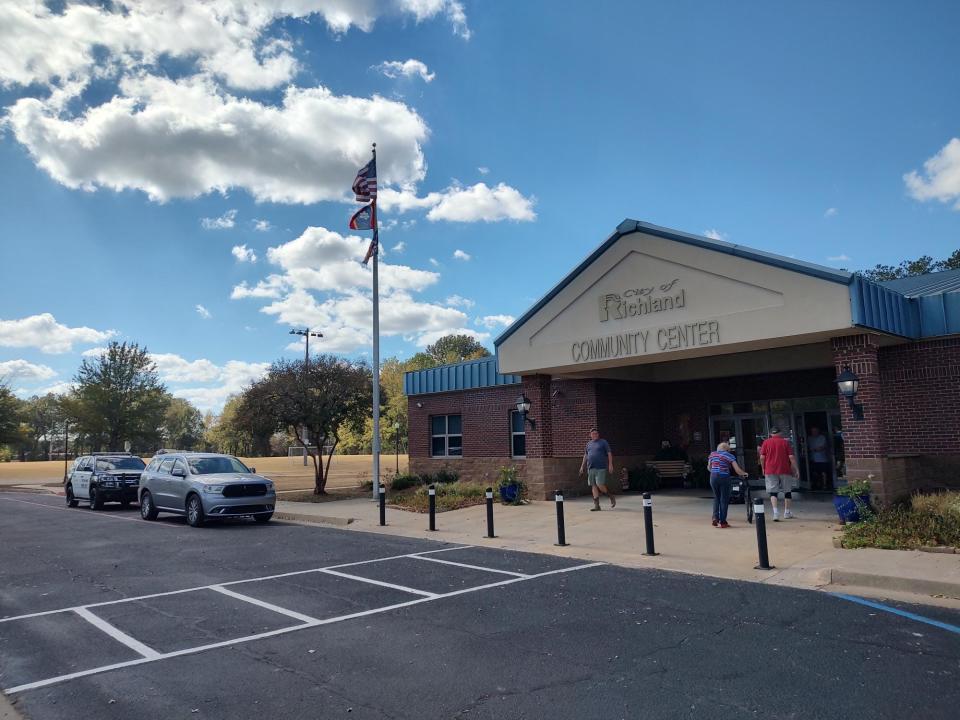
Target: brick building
x=660, y=335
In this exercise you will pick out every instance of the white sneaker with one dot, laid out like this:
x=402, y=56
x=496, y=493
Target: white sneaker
x=787, y=514
x=776, y=516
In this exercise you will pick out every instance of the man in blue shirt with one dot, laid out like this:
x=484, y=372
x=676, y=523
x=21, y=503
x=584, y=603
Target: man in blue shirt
x=598, y=464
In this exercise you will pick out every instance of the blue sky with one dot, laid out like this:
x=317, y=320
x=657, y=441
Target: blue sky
x=141, y=171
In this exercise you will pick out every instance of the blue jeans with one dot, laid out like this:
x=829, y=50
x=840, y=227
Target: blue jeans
x=721, y=495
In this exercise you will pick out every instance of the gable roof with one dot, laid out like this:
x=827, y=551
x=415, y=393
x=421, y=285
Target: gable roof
x=629, y=226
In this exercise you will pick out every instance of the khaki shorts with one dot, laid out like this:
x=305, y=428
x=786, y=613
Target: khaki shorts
x=777, y=484
x=596, y=476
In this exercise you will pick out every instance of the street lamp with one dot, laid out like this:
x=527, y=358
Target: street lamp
x=307, y=333
x=396, y=436
x=523, y=407
x=848, y=384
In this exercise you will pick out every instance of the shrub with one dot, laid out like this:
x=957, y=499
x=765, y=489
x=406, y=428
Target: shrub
x=450, y=496
x=442, y=477
x=404, y=482
x=509, y=476
x=929, y=520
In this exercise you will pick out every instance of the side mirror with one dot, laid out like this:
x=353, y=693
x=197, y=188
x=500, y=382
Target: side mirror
x=253, y=470
x=178, y=472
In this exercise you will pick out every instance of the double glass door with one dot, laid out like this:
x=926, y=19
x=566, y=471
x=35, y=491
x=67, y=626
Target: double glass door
x=744, y=433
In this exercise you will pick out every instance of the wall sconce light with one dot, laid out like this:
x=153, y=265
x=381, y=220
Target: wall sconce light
x=848, y=384
x=523, y=407
x=419, y=404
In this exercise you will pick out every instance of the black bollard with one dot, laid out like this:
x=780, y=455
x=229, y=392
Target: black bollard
x=383, y=505
x=561, y=530
x=490, y=513
x=761, y=535
x=433, y=507
x=648, y=523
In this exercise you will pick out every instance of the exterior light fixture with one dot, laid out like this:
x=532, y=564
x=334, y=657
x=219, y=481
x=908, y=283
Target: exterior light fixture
x=523, y=407
x=848, y=384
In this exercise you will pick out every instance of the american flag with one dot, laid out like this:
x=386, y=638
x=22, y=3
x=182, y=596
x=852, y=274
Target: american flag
x=365, y=184
x=372, y=250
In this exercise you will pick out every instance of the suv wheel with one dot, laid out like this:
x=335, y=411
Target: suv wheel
x=194, y=511
x=71, y=500
x=96, y=502
x=148, y=511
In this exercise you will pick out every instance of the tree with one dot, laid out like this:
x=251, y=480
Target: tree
x=332, y=393
x=11, y=409
x=923, y=265
x=456, y=348
x=119, y=398
x=182, y=425
x=226, y=433
x=43, y=417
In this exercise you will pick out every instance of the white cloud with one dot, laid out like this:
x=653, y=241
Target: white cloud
x=459, y=301
x=22, y=370
x=174, y=369
x=405, y=69
x=714, y=234
x=477, y=203
x=262, y=225
x=45, y=333
x=842, y=257
x=60, y=388
x=940, y=179
x=434, y=262
x=224, y=222
x=244, y=254
x=461, y=255
x=221, y=381
x=272, y=287
x=94, y=352
x=483, y=170
x=493, y=321
x=830, y=212
x=399, y=247
x=203, y=312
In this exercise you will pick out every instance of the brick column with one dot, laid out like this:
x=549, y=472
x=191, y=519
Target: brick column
x=864, y=441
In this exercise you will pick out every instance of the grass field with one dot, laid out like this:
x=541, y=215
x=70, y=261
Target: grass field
x=287, y=473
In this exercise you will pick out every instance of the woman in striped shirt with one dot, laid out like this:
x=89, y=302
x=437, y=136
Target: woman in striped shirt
x=720, y=464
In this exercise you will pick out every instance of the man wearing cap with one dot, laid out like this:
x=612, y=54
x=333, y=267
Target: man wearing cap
x=598, y=464
x=779, y=468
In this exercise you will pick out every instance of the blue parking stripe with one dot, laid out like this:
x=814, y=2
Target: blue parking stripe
x=897, y=611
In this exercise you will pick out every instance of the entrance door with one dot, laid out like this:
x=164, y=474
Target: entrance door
x=815, y=453
x=744, y=433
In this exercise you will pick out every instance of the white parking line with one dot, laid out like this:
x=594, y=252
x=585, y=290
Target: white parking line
x=314, y=623
x=117, y=634
x=80, y=512
x=471, y=567
x=261, y=603
x=381, y=583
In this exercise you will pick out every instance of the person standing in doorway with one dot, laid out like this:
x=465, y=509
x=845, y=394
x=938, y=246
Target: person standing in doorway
x=598, y=464
x=779, y=468
x=720, y=464
x=821, y=475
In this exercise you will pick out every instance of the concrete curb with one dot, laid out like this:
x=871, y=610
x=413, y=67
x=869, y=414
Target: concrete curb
x=313, y=519
x=898, y=584
x=7, y=710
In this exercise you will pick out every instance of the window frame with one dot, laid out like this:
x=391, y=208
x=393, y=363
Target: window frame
x=514, y=434
x=446, y=435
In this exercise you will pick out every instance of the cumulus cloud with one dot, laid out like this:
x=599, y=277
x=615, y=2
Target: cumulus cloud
x=460, y=301
x=224, y=222
x=461, y=255
x=60, y=388
x=477, y=203
x=45, y=333
x=940, y=178
x=262, y=225
x=399, y=247
x=714, y=234
x=203, y=312
x=174, y=369
x=243, y=254
x=842, y=257
x=204, y=383
x=21, y=370
x=483, y=170
x=405, y=69
x=493, y=321
x=94, y=352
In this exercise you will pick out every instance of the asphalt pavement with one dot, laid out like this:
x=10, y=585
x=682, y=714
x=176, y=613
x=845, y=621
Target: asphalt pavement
x=103, y=615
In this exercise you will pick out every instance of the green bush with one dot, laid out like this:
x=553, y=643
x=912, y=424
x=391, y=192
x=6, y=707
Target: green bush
x=929, y=520
x=450, y=496
x=404, y=481
x=442, y=477
x=855, y=488
x=643, y=479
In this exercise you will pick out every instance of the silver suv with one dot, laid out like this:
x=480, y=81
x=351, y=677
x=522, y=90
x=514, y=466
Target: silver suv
x=204, y=486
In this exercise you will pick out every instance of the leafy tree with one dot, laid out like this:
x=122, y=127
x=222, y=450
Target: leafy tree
x=226, y=433
x=119, y=398
x=456, y=348
x=331, y=394
x=182, y=425
x=923, y=265
x=44, y=417
x=11, y=410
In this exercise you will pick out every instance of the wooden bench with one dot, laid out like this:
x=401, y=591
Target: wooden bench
x=671, y=468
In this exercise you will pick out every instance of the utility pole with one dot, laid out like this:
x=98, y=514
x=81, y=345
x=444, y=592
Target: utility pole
x=306, y=333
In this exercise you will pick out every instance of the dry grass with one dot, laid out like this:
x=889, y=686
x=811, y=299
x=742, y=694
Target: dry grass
x=288, y=473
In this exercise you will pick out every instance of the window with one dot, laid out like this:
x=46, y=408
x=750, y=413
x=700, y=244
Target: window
x=119, y=463
x=179, y=465
x=214, y=465
x=446, y=435
x=518, y=435
x=165, y=466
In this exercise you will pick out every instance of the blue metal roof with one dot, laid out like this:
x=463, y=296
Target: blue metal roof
x=629, y=226
x=929, y=284
x=459, y=376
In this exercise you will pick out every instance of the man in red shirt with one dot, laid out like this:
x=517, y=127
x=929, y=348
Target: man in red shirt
x=779, y=468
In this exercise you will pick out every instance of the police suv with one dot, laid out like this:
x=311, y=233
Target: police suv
x=104, y=477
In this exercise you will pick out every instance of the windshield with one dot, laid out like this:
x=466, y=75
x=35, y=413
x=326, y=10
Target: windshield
x=211, y=465
x=120, y=463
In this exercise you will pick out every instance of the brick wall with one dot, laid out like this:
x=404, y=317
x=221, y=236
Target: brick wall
x=486, y=420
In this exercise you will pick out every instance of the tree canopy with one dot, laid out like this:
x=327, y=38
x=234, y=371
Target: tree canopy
x=454, y=349
x=909, y=268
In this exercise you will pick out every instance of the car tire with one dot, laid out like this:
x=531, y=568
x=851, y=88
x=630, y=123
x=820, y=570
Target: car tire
x=71, y=500
x=194, y=510
x=96, y=502
x=148, y=511
x=263, y=518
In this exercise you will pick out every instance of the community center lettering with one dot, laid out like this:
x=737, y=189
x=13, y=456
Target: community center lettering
x=672, y=337
x=641, y=301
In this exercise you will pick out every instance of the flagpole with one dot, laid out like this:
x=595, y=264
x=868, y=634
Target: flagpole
x=376, y=348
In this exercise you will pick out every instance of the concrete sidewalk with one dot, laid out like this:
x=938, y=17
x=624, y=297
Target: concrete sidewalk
x=801, y=549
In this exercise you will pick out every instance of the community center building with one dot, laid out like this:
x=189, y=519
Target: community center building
x=661, y=335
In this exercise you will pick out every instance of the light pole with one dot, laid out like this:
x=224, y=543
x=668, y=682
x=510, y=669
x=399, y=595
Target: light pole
x=306, y=333
x=66, y=432
x=396, y=435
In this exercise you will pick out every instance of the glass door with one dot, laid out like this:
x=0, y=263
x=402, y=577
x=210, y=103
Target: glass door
x=744, y=433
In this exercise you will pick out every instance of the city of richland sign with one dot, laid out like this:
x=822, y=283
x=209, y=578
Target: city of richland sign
x=635, y=302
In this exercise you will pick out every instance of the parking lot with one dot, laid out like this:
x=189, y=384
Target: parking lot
x=104, y=615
